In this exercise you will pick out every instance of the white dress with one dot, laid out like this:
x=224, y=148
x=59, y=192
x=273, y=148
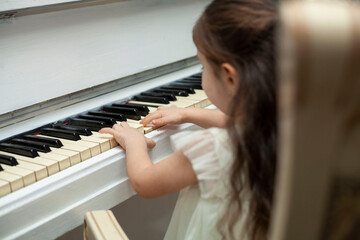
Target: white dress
x=200, y=205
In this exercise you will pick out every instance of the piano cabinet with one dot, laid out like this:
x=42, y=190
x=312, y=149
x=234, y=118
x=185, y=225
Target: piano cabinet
x=59, y=63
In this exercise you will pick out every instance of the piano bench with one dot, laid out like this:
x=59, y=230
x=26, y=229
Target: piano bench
x=101, y=225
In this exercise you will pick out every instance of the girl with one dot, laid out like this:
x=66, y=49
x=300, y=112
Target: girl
x=226, y=171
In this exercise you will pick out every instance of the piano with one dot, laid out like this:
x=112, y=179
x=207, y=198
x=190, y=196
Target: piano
x=55, y=166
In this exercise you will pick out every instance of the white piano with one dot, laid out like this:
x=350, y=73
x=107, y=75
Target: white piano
x=60, y=58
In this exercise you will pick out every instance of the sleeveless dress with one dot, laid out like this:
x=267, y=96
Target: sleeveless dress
x=201, y=205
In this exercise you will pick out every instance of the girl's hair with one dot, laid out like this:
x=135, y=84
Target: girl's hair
x=241, y=32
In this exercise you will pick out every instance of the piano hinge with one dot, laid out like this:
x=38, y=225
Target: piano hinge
x=8, y=15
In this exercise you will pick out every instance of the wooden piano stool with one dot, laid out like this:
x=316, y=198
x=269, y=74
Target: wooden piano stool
x=101, y=225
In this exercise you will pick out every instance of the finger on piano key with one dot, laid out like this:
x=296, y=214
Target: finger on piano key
x=27, y=175
x=51, y=166
x=139, y=126
x=16, y=182
x=135, y=124
x=85, y=152
x=4, y=188
x=104, y=143
x=107, y=136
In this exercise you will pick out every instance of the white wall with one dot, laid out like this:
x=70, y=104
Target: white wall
x=52, y=54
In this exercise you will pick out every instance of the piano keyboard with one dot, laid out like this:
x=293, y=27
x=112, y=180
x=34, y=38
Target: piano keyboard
x=34, y=155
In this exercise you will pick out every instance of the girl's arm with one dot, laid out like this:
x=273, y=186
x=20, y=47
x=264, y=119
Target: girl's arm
x=151, y=180
x=205, y=118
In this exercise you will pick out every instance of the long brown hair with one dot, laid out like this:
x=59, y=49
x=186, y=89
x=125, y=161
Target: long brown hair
x=241, y=32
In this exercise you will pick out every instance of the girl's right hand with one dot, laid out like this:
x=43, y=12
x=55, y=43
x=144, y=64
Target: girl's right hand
x=164, y=115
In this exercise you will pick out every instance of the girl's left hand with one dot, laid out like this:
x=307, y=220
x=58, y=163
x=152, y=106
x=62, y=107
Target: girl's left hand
x=124, y=134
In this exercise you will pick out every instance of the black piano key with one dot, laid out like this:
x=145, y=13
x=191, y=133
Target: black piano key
x=107, y=120
x=56, y=143
x=151, y=99
x=41, y=147
x=116, y=116
x=197, y=75
x=144, y=110
x=130, y=113
x=186, y=89
x=1, y=169
x=18, y=149
x=190, y=85
x=60, y=133
x=93, y=125
x=195, y=78
x=8, y=160
x=178, y=92
x=80, y=130
x=169, y=96
x=195, y=85
x=186, y=80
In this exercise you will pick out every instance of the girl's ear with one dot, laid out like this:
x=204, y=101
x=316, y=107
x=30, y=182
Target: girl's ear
x=230, y=78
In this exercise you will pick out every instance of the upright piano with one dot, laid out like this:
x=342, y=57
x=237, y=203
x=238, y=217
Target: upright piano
x=68, y=68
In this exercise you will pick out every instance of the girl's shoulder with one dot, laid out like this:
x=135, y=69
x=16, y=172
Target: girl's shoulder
x=210, y=140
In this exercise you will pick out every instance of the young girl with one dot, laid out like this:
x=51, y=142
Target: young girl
x=226, y=171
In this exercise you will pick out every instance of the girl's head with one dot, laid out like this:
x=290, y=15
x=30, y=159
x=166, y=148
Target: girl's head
x=235, y=42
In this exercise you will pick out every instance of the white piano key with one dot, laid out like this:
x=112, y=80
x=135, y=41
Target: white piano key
x=176, y=103
x=4, y=188
x=39, y=170
x=16, y=182
x=64, y=161
x=104, y=143
x=110, y=137
x=27, y=175
x=84, y=152
x=138, y=126
x=94, y=147
x=74, y=156
x=51, y=166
